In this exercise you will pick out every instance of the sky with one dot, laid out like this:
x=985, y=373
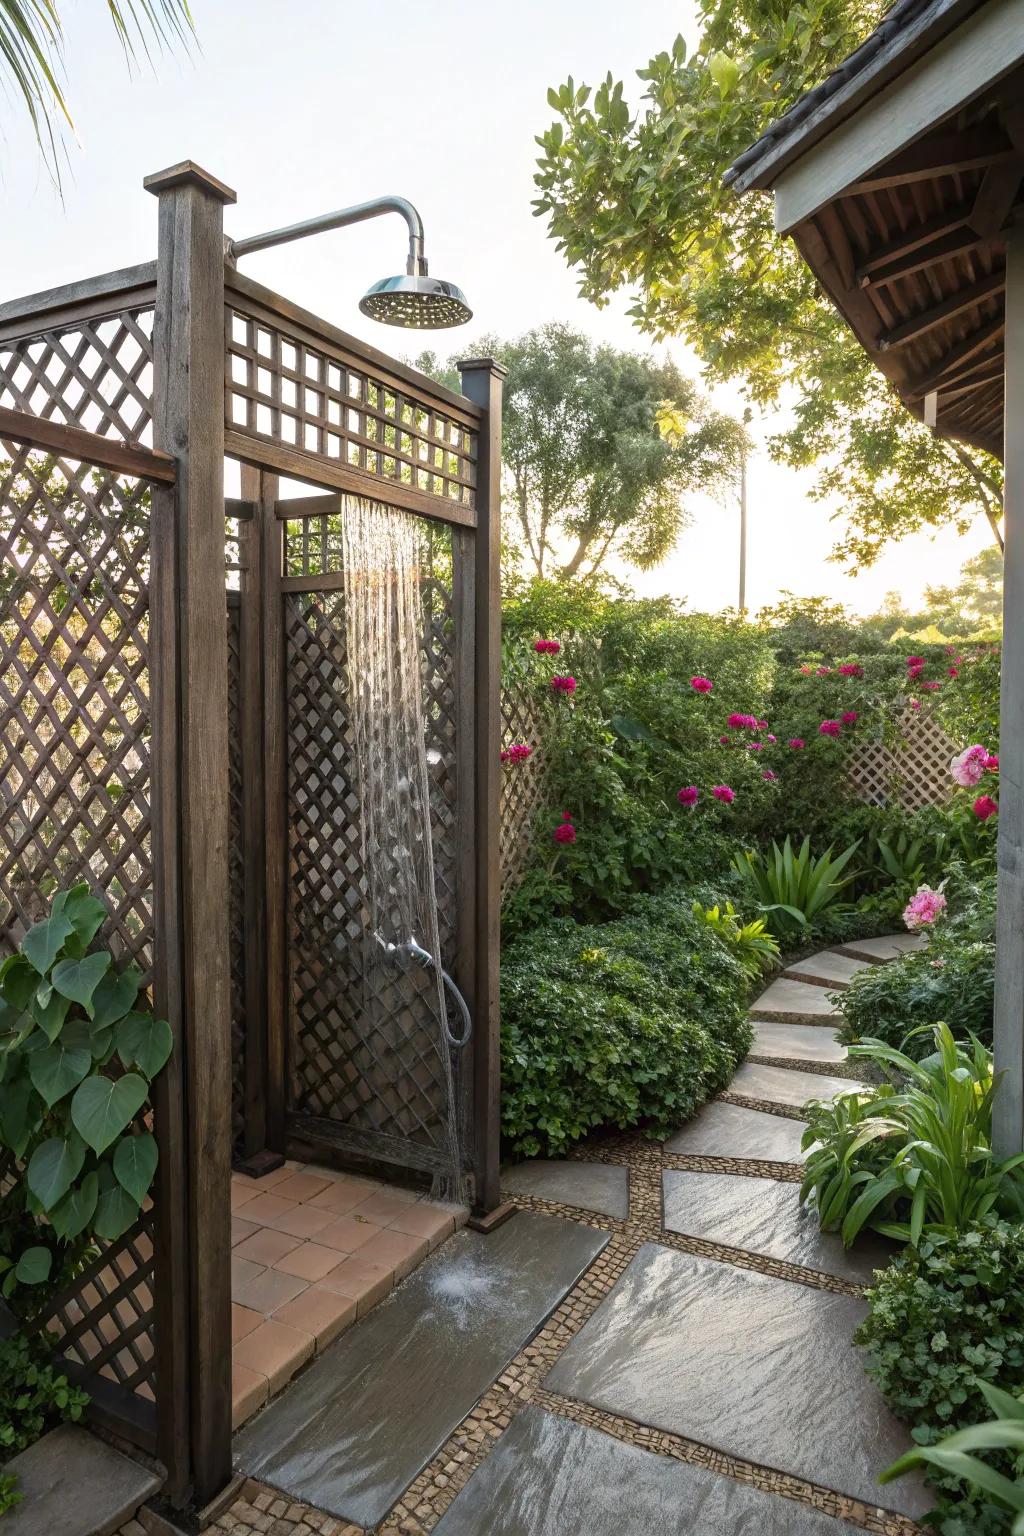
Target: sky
x=321, y=103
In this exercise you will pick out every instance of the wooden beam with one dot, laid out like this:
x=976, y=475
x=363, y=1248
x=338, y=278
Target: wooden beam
x=1008, y=1036
x=482, y=381
x=963, y=352
x=964, y=298
x=996, y=196
x=945, y=154
x=993, y=373
x=188, y=421
x=92, y=298
x=88, y=447
x=912, y=239
x=298, y=464
x=958, y=242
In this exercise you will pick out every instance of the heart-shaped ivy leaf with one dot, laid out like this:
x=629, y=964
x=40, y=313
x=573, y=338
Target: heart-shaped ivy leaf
x=50, y=1010
x=34, y=1266
x=73, y=1214
x=144, y=1042
x=78, y=979
x=58, y=1068
x=44, y=941
x=115, y=1212
x=135, y=1160
x=86, y=913
x=19, y=1114
x=53, y=1168
x=102, y=1109
x=18, y=981
x=114, y=996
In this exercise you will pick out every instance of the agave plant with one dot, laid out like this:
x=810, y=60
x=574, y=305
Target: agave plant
x=915, y=1154
x=953, y=1455
x=794, y=888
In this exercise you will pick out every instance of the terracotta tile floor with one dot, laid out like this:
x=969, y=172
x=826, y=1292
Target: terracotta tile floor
x=312, y=1250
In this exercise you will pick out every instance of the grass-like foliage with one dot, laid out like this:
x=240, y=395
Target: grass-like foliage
x=794, y=887
x=752, y=944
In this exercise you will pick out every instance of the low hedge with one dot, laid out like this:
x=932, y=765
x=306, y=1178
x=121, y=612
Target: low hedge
x=633, y=1023
x=942, y=1319
x=951, y=980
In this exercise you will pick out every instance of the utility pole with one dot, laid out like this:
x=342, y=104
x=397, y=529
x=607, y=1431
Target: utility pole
x=743, y=514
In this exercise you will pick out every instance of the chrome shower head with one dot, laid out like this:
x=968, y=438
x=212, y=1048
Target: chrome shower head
x=416, y=302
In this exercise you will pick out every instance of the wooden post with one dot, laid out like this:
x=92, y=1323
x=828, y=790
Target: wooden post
x=275, y=808
x=188, y=423
x=482, y=383
x=1008, y=1109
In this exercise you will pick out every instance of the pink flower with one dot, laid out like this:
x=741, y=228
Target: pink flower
x=547, y=647
x=724, y=793
x=968, y=768
x=984, y=807
x=689, y=795
x=992, y=762
x=754, y=746
x=771, y=739
x=517, y=753
x=566, y=833
x=915, y=661
x=796, y=743
x=823, y=671
x=851, y=669
x=723, y=741
x=915, y=704
x=829, y=728
x=953, y=671
x=931, y=687
x=767, y=774
x=762, y=725
x=563, y=684
x=923, y=907
x=742, y=722
x=806, y=668
x=850, y=717
x=701, y=684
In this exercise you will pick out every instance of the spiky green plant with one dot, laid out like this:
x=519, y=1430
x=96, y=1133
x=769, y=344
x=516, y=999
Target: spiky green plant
x=793, y=888
x=751, y=943
x=1003, y=1432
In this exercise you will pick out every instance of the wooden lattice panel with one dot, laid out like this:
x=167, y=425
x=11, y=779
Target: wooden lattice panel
x=523, y=784
x=326, y=402
x=75, y=728
x=912, y=770
x=97, y=375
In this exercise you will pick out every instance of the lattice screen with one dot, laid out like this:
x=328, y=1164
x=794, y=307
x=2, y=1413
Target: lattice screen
x=97, y=375
x=364, y=1056
x=523, y=784
x=913, y=770
x=75, y=785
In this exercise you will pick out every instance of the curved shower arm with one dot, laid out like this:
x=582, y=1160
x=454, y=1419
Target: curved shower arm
x=416, y=266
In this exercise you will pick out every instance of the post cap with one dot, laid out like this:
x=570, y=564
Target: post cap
x=483, y=365
x=187, y=174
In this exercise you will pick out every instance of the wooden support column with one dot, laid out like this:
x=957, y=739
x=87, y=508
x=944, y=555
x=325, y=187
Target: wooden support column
x=1008, y=1111
x=188, y=423
x=482, y=383
x=275, y=807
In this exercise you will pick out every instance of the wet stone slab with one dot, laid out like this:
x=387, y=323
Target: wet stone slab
x=764, y=1217
x=600, y=1187
x=797, y=1042
x=548, y=1476
x=787, y=1085
x=800, y=998
x=753, y=1366
x=351, y=1434
x=886, y=948
x=728, y=1130
x=73, y=1484
x=829, y=967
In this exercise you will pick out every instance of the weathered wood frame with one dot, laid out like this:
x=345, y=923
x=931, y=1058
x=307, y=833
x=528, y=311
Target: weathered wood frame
x=187, y=287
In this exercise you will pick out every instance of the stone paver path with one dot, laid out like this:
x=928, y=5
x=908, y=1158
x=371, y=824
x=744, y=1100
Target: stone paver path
x=696, y=1375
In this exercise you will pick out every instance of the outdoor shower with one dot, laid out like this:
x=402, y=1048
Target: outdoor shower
x=413, y=299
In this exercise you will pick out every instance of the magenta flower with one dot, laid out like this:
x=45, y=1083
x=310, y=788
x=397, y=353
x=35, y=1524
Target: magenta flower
x=701, y=684
x=923, y=907
x=743, y=722
x=754, y=746
x=517, y=753
x=931, y=687
x=851, y=669
x=547, y=647
x=915, y=661
x=984, y=807
x=822, y=671
x=850, y=717
x=992, y=762
x=915, y=704
x=829, y=728
x=762, y=725
x=796, y=743
x=563, y=684
x=688, y=795
x=724, y=741
x=566, y=833
x=953, y=671
x=724, y=793
x=767, y=774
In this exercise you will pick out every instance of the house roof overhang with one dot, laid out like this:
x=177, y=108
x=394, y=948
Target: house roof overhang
x=898, y=179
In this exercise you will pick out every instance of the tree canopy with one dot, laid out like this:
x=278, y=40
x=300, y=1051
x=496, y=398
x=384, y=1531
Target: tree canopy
x=635, y=200
x=601, y=448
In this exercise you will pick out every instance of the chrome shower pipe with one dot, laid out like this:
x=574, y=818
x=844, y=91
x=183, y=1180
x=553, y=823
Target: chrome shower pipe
x=416, y=265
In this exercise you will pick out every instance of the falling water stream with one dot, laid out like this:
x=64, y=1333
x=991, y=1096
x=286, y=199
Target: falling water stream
x=384, y=629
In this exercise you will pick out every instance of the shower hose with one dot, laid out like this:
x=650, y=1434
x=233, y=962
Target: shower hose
x=423, y=956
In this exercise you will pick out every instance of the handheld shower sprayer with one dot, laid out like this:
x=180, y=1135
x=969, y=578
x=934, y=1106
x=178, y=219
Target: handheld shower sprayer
x=415, y=951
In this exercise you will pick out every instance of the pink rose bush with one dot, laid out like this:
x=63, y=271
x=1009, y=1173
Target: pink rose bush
x=923, y=908
x=830, y=728
x=565, y=832
x=724, y=793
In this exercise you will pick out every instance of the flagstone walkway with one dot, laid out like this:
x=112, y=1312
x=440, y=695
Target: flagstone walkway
x=660, y=1340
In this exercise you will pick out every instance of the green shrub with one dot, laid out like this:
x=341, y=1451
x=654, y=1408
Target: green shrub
x=754, y=947
x=34, y=1394
x=957, y=1453
x=943, y=1320
x=629, y=1023
x=947, y=980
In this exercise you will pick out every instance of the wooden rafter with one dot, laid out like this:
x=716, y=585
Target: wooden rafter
x=963, y=299
x=946, y=154
x=978, y=341
x=958, y=242
x=911, y=239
